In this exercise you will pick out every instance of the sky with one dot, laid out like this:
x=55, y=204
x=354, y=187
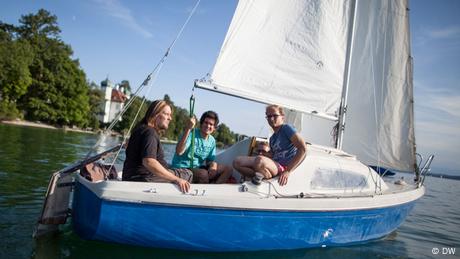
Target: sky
x=124, y=40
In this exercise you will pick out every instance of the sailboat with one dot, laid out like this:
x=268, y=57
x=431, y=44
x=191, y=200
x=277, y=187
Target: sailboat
x=347, y=62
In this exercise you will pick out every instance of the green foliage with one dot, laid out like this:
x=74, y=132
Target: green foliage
x=39, y=78
x=96, y=97
x=130, y=115
x=59, y=92
x=15, y=58
x=224, y=136
x=38, y=72
x=42, y=24
x=6, y=32
x=9, y=111
x=178, y=122
x=177, y=125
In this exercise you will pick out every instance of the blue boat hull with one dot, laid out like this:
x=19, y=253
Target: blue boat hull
x=211, y=229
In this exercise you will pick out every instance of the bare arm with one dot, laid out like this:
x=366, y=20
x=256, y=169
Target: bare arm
x=180, y=147
x=299, y=143
x=213, y=166
x=154, y=166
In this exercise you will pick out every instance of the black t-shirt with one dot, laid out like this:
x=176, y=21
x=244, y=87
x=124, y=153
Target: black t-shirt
x=143, y=143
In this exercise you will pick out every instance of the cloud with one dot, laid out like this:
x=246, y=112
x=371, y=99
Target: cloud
x=449, y=104
x=448, y=36
x=444, y=33
x=115, y=9
x=437, y=124
x=446, y=100
x=435, y=128
x=441, y=138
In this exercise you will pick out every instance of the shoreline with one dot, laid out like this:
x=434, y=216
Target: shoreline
x=43, y=125
x=18, y=122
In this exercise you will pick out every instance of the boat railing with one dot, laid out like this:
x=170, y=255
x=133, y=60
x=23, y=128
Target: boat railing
x=425, y=169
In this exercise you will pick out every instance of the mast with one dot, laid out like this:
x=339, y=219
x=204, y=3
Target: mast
x=411, y=95
x=346, y=78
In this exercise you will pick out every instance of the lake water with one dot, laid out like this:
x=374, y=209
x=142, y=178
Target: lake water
x=28, y=157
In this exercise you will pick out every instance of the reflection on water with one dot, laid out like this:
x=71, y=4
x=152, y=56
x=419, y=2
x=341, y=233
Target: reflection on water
x=30, y=155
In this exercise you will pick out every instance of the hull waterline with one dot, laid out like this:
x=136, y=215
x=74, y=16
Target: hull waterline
x=223, y=229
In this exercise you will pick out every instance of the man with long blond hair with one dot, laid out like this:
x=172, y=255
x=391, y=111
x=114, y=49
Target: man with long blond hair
x=144, y=155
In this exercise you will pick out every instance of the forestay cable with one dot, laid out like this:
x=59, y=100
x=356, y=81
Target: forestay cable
x=155, y=72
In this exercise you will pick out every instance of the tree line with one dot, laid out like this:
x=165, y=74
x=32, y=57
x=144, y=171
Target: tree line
x=39, y=81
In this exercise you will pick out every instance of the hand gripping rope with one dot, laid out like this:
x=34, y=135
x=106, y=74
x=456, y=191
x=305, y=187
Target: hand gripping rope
x=192, y=145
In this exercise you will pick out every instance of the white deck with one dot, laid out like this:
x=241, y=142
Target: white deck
x=304, y=192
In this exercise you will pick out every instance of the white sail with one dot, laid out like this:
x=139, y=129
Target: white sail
x=300, y=54
x=290, y=53
x=379, y=126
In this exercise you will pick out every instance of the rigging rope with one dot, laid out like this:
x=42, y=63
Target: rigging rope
x=192, y=145
x=154, y=72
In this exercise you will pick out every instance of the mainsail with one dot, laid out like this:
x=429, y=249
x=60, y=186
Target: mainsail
x=280, y=52
x=307, y=55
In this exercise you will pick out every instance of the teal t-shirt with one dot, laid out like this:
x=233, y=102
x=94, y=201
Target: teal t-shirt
x=205, y=151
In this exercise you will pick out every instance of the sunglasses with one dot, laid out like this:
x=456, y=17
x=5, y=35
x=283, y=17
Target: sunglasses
x=269, y=116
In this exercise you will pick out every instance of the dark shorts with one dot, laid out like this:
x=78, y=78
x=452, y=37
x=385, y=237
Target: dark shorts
x=182, y=173
x=205, y=167
x=198, y=172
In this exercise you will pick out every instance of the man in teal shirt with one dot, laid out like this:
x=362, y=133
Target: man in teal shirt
x=205, y=169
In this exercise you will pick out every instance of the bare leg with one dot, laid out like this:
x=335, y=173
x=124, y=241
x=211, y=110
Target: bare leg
x=245, y=165
x=224, y=172
x=200, y=175
x=266, y=166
